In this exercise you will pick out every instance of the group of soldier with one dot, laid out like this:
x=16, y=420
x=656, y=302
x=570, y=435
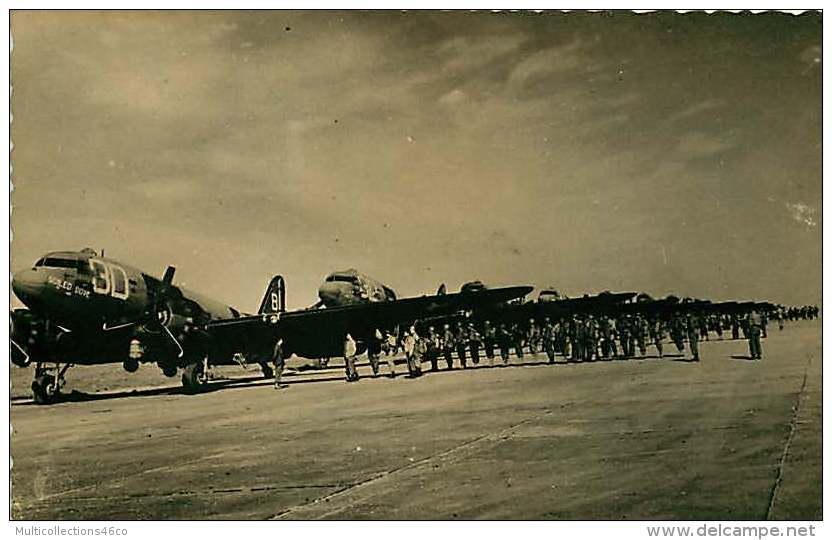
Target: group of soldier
x=576, y=338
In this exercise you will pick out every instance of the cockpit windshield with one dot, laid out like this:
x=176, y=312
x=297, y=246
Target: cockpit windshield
x=337, y=277
x=57, y=262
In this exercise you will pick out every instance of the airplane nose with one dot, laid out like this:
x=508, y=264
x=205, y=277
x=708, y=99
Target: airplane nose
x=26, y=284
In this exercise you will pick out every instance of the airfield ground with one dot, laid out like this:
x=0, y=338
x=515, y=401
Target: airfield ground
x=727, y=438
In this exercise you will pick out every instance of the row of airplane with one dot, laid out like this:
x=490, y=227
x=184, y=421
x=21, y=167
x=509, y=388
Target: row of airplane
x=85, y=309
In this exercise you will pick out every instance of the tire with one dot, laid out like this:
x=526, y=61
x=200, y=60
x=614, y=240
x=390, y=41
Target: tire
x=131, y=365
x=43, y=390
x=193, y=377
x=169, y=370
x=268, y=372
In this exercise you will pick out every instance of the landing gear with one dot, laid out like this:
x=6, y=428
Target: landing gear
x=195, y=376
x=169, y=370
x=46, y=387
x=131, y=365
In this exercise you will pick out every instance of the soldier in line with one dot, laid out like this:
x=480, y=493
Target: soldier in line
x=640, y=329
x=590, y=339
x=489, y=337
x=517, y=339
x=411, y=353
x=624, y=330
x=735, y=326
x=558, y=335
x=279, y=364
x=374, y=350
x=677, y=332
x=461, y=340
x=657, y=334
x=575, y=338
x=693, y=336
x=549, y=337
x=755, y=328
x=448, y=346
x=533, y=337
x=350, y=349
x=432, y=343
x=504, y=339
x=703, y=327
x=474, y=343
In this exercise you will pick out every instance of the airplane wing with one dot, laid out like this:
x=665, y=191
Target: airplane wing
x=318, y=333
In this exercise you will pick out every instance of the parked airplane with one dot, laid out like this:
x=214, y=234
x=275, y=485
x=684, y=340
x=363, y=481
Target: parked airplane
x=85, y=309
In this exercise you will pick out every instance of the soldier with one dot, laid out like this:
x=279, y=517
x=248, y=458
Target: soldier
x=735, y=326
x=461, y=340
x=533, y=337
x=576, y=330
x=624, y=336
x=489, y=335
x=350, y=349
x=693, y=336
x=605, y=331
x=448, y=346
x=410, y=352
x=504, y=338
x=432, y=348
x=590, y=339
x=279, y=364
x=657, y=334
x=392, y=344
x=549, y=338
x=517, y=338
x=677, y=332
x=755, y=328
x=374, y=350
x=640, y=329
x=474, y=343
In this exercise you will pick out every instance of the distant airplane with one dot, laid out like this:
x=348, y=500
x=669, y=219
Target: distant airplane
x=85, y=309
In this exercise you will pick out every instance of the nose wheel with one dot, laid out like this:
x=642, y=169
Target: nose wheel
x=46, y=388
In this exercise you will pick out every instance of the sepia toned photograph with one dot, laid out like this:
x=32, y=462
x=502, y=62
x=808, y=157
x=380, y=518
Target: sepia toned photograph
x=415, y=265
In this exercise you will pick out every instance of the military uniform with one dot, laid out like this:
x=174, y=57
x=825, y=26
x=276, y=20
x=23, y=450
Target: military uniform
x=350, y=349
x=461, y=345
x=504, y=337
x=474, y=343
x=448, y=346
x=489, y=337
x=374, y=350
x=755, y=328
x=279, y=363
x=693, y=337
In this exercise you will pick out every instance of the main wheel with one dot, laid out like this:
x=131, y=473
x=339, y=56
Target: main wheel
x=268, y=372
x=44, y=389
x=194, y=377
x=131, y=365
x=169, y=370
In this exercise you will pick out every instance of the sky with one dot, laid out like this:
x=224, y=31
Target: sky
x=662, y=153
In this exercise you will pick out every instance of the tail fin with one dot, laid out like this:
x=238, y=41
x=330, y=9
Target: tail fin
x=274, y=301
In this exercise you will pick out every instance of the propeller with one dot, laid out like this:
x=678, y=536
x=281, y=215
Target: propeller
x=160, y=313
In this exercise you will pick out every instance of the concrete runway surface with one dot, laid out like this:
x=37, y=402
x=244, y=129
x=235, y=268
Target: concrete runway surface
x=727, y=438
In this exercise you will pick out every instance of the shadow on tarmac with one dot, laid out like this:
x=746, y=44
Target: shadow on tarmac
x=333, y=373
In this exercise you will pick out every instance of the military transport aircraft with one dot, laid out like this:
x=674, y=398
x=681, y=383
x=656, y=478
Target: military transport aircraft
x=83, y=308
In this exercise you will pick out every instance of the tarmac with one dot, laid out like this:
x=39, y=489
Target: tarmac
x=724, y=438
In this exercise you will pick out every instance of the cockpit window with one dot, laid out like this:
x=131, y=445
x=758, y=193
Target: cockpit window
x=346, y=279
x=57, y=262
